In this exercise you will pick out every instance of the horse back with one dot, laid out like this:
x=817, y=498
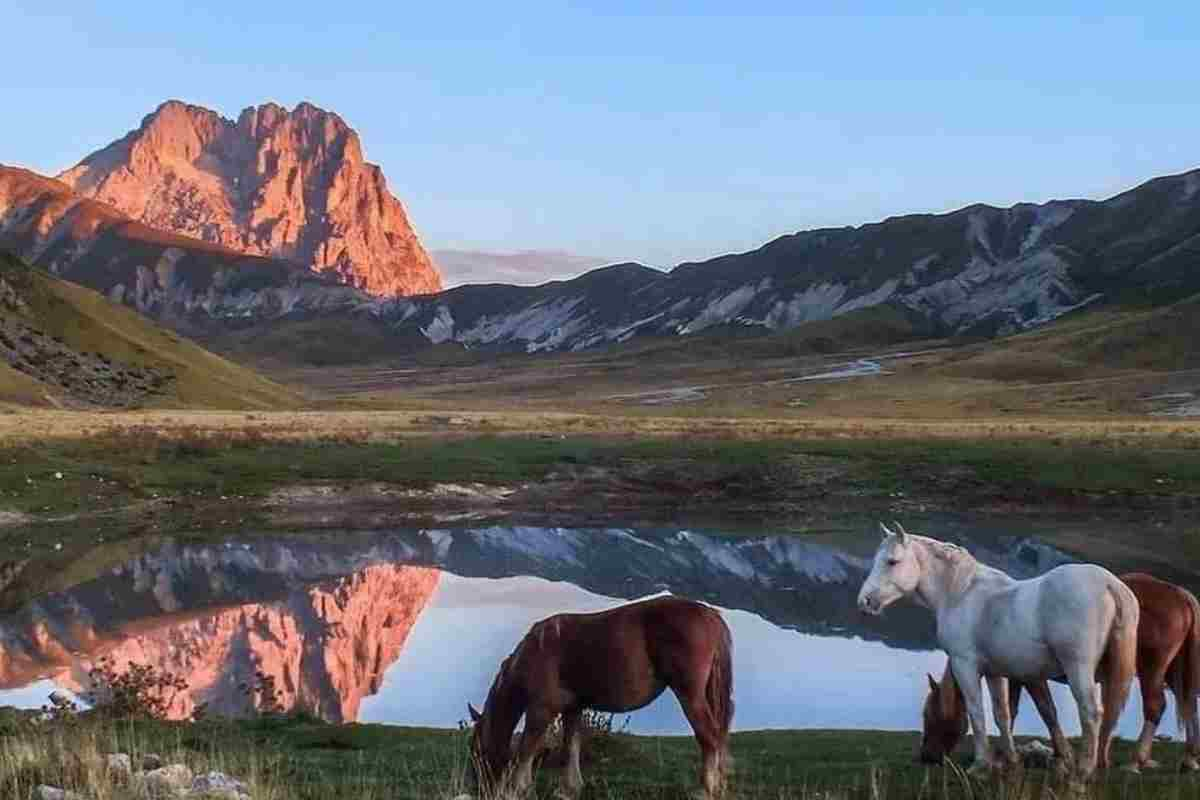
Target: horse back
x=624, y=657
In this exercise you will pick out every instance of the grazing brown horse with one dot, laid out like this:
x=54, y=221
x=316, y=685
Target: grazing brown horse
x=1168, y=654
x=612, y=661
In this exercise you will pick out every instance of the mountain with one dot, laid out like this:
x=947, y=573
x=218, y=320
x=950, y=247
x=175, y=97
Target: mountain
x=525, y=267
x=186, y=283
x=275, y=183
x=63, y=344
x=976, y=271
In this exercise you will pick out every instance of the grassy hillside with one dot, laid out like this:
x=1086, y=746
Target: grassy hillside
x=88, y=324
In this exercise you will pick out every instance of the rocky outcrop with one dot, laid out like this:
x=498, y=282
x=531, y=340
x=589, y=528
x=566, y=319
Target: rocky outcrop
x=275, y=183
x=322, y=648
x=189, y=284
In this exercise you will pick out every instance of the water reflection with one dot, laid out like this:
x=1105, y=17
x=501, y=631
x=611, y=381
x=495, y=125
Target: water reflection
x=407, y=626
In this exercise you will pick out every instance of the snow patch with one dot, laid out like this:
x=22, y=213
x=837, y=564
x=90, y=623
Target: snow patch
x=885, y=290
x=441, y=328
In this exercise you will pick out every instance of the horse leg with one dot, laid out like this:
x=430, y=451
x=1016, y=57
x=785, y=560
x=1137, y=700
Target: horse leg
x=1040, y=692
x=1087, y=698
x=572, y=777
x=969, y=681
x=537, y=723
x=998, y=687
x=703, y=721
x=1154, y=703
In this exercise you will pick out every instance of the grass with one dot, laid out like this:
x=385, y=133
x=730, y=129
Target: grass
x=302, y=759
x=90, y=323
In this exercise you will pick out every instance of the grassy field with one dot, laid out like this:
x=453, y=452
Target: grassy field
x=88, y=322
x=301, y=759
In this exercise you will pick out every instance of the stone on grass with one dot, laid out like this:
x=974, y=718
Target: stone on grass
x=218, y=786
x=54, y=793
x=1035, y=753
x=119, y=766
x=172, y=780
x=152, y=761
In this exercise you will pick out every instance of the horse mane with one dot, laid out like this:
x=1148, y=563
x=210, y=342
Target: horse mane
x=961, y=563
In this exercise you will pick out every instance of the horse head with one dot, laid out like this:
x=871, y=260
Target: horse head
x=491, y=734
x=895, y=572
x=944, y=720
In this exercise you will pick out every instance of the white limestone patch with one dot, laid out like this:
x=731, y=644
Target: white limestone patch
x=725, y=307
x=441, y=327
x=880, y=295
x=543, y=326
x=817, y=302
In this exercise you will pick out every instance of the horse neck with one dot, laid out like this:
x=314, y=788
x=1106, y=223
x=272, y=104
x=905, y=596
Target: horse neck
x=943, y=579
x=505, y=707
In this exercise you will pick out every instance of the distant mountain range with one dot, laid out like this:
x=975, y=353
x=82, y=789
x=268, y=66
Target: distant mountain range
x=254, y=238
x=525, y=267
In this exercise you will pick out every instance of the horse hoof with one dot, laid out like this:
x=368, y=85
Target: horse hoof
x=1134, y=769
x=1189, y=764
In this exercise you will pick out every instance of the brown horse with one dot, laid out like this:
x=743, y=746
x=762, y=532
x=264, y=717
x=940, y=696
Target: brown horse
x=1168, y=655
x=612, y=661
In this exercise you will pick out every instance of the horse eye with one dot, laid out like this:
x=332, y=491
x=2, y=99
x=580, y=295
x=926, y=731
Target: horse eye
x=893, y=562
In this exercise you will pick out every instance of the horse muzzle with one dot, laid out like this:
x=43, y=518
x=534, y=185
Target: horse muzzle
x=870, y=604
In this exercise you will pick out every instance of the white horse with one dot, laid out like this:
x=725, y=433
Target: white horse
x=1077, y=621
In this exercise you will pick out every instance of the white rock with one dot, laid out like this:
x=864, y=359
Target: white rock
x=1036, y=754
x=119, y=765
x=54, y=793
x=219, y=786
x=172, y=780
x=152, y=761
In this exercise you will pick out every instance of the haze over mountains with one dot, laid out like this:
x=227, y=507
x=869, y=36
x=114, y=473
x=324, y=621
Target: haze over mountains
x=213, y=226
x=524, y=267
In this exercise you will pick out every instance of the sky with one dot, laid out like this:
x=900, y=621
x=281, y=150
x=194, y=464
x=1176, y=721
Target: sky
x=655, y=132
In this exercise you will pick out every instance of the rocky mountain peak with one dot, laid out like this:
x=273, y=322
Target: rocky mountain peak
x=285, y=184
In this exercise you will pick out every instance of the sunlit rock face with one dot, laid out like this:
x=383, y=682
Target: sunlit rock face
x=278, y=183
x=325, y=647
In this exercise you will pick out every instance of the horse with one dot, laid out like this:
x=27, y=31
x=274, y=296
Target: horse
x=1077, y=620
x=1168, y=655
x=617, y=660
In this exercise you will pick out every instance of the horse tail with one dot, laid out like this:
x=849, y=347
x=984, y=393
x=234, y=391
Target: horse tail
x=719, y=690
x=1120, y=659
x=1187, y=667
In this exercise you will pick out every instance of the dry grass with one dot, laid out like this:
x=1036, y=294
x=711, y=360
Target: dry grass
x=27, y=425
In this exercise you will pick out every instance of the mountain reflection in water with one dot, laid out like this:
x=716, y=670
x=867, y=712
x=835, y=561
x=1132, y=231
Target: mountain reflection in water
x=407, y=626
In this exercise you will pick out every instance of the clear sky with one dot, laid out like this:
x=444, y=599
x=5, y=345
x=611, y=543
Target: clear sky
x=665, y=135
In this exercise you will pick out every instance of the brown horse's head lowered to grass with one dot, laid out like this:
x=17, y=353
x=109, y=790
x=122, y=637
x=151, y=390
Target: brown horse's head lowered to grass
x=944, y=719
x=611, y=661
x=1168, y=646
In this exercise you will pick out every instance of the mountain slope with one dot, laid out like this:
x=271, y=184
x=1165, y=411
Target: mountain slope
x=61, y=342
x=979, y=271
x=278, y=183
x=187, y=283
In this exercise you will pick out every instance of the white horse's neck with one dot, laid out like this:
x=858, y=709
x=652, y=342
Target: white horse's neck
x=947, y=573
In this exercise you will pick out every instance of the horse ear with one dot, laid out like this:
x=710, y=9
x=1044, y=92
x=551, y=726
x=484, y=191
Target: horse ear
x=475, y=715
x=884, y=529
x=933, y=684
x=900, y=532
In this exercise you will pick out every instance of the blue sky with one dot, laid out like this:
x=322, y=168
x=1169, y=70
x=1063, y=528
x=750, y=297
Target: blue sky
x=665, y=135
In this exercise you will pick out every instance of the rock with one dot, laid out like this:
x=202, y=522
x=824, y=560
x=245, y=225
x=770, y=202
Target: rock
x=287, y=184
x=1035, y=753
x=172, y=780
x=54, y=793
x=152, y=761
x=119, y=766
x=219, y=786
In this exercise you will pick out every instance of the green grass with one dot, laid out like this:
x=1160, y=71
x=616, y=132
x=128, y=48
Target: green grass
x=303, y=759
x=89, y=323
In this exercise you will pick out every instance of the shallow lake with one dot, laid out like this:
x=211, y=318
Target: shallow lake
x=407, y=626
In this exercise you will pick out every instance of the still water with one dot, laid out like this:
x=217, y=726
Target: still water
x=408, y=626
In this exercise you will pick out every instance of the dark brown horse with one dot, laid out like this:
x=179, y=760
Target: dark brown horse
x=1168, y=655
x=612, y=661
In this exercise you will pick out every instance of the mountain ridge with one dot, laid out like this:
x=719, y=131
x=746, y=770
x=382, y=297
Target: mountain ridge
x=275, y=183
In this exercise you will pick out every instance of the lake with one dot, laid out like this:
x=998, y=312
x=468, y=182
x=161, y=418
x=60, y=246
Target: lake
x=407, y=626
